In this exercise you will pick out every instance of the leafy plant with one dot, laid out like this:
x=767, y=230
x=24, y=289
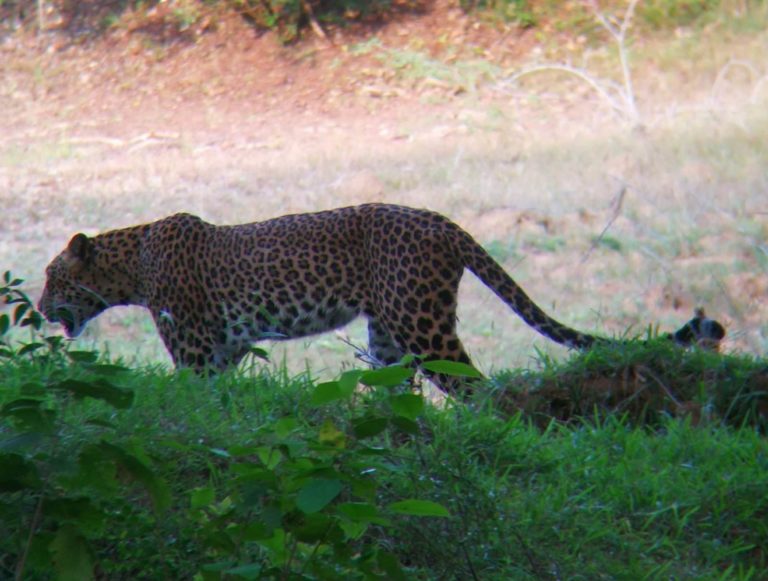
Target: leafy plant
x=290, y=17
x=304, y=500
x=55, y=481
x=23, y=315
x=259, y=475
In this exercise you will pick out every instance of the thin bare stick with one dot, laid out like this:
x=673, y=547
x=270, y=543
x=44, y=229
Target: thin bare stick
x=618, y=202
x=625, y=105
x=313, y=23
x=620, y=36
x=763, y=81
x=596, y=84
x=361, y=353
x=661, y=384
x=727, y=68
x=32, y=528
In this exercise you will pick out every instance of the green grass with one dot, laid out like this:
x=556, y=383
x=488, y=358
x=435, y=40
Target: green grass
x=146, y=474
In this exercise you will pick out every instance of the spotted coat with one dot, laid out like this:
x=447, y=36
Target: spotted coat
x=214, y=290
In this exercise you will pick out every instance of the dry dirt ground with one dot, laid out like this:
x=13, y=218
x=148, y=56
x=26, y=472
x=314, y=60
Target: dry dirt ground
x=611, y=225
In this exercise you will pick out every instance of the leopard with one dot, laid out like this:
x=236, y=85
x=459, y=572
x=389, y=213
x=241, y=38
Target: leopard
x=213, y=291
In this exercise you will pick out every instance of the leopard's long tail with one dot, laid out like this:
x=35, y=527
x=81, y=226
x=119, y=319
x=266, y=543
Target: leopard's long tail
x=701, y=330
x=482, y=265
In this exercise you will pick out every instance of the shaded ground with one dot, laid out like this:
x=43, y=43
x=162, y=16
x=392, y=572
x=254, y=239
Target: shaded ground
x=609, y=226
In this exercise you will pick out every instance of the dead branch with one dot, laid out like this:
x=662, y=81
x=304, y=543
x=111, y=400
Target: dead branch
x=618, y=203
x=598, y=85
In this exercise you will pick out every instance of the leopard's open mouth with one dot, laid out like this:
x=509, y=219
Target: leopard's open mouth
x=67, y=318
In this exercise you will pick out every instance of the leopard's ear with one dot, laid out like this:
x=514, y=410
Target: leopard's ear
x=81, y=249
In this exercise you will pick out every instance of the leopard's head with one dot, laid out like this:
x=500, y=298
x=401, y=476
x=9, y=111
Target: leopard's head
x=74, y=290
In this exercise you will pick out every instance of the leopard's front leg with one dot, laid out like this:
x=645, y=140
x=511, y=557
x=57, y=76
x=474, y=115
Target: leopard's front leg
x=189, y=340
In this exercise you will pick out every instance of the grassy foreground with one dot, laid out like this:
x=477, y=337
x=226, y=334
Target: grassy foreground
x=112, y=473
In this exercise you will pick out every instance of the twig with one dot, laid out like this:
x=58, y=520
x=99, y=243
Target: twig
x=528, y=554
x=618, y=202
x=737, y=64
x=596, y=84
x=469, y=561
x=625, y=105
x=620, y=36
x=131, y=145
x=32, y=527
x=662, y=386
x=362, y=354
x=313, y=23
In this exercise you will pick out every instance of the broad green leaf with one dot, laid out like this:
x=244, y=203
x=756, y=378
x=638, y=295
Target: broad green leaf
x=213, y=571
x=108, y=369
x=330, y=435
x=362, y=512
x=5, y=323
x=202, y=497
x=389, y=563
x=316, y=494
x=156, y=486
x=220, y=540
x=368, y=427
x=325, y=393
x=276, y=545
x=285, y=426
x=256, y=531
x=260, y=353
x=19, y=312
x=358, y=510
x=270, y=457
x=22, y=441
x=408, y=405
x=30, y=414
x=373, y=450
x=33, y=389
x=21, y=404
x=387, y=376
x=118, y=397
x=409, y=358
x=272, y=517
x=237, y=450
x=250, y=473
x=34, y=319
x=95, y=468
x=29, y=348
x=405, y=425
x=101, y=422
x=453, y=368
x=353, y=530
x=16, y=474
x=71, y=555
x=349, y=380
x=83, y=356
x=415, y=507
x=313, y=528
x=364, y=487
x=79, y=512
x=246, y=571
